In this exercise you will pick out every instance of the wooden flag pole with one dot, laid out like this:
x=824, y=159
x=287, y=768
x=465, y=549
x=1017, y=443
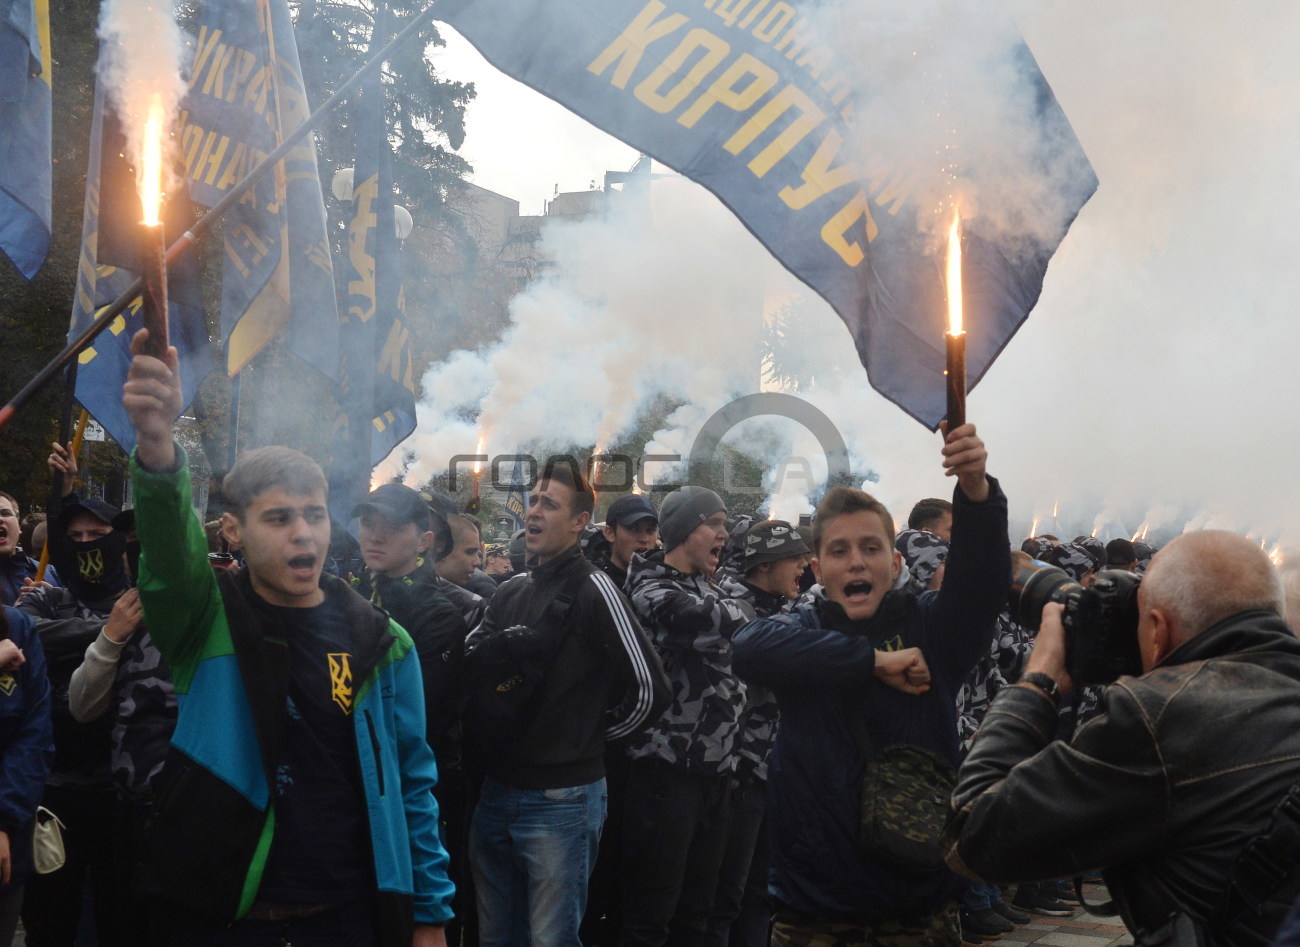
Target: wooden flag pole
x=74, y=450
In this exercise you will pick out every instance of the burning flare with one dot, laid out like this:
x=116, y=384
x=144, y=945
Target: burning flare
x=954, y=276
x=482, y=445
x=151, y=163
x=1033, y=529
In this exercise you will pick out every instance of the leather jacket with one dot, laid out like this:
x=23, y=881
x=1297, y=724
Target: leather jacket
x=1183, y=768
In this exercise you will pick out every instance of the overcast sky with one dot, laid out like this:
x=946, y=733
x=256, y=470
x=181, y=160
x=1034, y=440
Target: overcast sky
x=1160, y=367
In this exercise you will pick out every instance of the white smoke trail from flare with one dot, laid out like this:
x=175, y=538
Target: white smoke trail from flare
x=141, y=56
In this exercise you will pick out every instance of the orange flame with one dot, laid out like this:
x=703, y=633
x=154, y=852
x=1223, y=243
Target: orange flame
x=1056, y=508
x=151, y=163
x=1277, y=557
x=1033, y=530
x=1140, y=534
x=954, y=276
x=482, y=445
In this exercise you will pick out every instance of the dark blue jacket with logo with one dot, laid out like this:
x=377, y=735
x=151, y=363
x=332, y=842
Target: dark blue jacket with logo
x=820, y=665
x=26, y=740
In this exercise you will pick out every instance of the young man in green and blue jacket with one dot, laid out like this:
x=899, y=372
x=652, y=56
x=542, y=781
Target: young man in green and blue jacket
x=298, y=803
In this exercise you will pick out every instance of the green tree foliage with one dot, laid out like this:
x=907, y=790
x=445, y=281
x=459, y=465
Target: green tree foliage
x=34, y=317
x=426, y=113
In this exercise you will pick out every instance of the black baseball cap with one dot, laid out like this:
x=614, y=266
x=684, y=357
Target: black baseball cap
x=398, y=504
x=630, y=509
x=1120, y=552
x=92, y=505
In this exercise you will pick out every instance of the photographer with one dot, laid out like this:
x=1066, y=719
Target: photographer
x=1184, y=771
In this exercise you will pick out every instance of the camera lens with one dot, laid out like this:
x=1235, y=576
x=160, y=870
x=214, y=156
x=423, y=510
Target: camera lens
x=1033, y=586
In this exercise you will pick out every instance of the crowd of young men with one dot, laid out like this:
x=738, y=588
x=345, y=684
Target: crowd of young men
x=650, y=733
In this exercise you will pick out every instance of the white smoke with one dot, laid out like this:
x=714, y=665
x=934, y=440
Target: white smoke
x=943, y=102
x=141, y=56
x=1154, y=380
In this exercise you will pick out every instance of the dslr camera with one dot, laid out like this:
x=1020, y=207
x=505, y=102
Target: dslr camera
x=1101, y=621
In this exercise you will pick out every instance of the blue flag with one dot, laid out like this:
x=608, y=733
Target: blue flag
x=747, y=98
x=517, y=497
x=376, y=379
x=109, y=263
x=246, y=93
x=25, y=133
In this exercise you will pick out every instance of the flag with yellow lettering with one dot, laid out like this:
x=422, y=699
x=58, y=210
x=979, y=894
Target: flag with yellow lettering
x=764, y=102
x=246, y=94
x=25, y=133
x=110, y=262
x=376, y=380
x=516, y=503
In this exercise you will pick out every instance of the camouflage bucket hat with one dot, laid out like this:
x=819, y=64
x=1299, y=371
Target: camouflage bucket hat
x=772, y=541
x=923, y=552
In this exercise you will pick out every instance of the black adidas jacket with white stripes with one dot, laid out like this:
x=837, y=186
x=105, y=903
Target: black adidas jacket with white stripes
x=607, y=681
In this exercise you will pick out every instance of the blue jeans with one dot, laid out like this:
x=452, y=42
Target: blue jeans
x=532, y=851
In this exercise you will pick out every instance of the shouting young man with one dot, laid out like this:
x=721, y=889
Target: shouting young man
x=863, y=667
x=299, y=801
x=534, y=835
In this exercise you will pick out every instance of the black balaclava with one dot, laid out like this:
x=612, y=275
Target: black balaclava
x=96, y=571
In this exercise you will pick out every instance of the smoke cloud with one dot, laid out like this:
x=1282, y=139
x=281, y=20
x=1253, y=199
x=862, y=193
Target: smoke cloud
x=141, y=57
x=1154, y=382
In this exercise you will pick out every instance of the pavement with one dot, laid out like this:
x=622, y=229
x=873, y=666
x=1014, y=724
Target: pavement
x=1081, y=930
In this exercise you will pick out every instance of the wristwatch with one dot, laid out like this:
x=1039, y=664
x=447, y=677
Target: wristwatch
x=1044, y=682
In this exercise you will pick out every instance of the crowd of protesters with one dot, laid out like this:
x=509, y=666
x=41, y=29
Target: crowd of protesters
x=312, y=747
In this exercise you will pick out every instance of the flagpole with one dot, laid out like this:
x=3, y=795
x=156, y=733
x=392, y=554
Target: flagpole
x=205, y=223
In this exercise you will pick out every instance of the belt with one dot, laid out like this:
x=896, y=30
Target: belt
x=270, y=911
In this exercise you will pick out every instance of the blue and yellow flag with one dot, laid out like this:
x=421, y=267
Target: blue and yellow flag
x=517, y=497
x=246, y=94
x=756, y=100
x=109, y=263
x=25, y=133
x=376, y=379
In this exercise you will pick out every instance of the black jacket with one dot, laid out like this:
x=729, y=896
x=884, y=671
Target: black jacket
x=1163, y=790
x=67, y=627
x=416, y=602
x=605, y=682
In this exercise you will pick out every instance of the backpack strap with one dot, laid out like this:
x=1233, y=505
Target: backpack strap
x=1267, y=869
x=557, y=610
x=1268, y=866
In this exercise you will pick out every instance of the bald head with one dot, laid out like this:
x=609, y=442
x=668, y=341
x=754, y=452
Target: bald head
x=1201, y=578
x=1289, y=571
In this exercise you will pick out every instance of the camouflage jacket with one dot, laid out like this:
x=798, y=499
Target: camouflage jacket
x=995, y=670
x=690, y=622
x=143, y=719
x=759, y=718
